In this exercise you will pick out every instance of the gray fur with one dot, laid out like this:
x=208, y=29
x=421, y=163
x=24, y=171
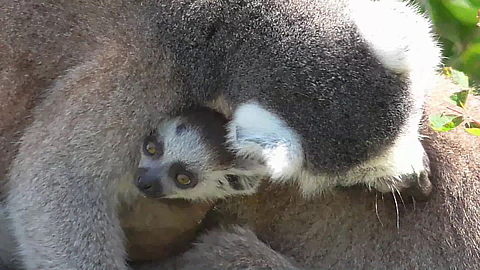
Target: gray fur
x=82, y=83
x=229, y=249
x=352, y=228
x=216, y=248
x=8, y=246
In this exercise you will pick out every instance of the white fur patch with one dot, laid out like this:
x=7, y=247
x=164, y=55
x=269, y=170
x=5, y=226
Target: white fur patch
x=383, y=173
x=398, y=34
x=256, y=132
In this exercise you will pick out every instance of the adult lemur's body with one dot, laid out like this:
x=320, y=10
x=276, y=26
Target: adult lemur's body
x=351, y=228
x=321, y=92
x=108, y=72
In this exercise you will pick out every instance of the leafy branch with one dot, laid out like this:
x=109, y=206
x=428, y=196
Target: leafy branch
x=458, y=114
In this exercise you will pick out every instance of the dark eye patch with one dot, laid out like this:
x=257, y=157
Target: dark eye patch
x=234, y=182
x=181, y=129
x=179, y=168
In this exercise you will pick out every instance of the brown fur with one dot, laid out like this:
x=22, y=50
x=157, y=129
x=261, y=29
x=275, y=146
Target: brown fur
x=30, y=58
x=354, y=228
x=156, y=230
x=40, y=44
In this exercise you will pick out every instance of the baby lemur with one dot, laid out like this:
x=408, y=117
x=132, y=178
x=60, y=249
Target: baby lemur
x=188, y=157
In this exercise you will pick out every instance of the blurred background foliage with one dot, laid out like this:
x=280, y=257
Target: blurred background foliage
x=458, y=26
x=456, y=22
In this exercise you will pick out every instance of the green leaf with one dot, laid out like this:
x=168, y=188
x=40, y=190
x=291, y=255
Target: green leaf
x=460, y=78
x=463, y=10
x=473, y=128
x=470, y=59
x=455, y=22
x=460, y=98
x=442, y=122
x=445, y=22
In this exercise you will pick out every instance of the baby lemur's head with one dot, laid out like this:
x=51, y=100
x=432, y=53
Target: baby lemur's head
x=187, y=157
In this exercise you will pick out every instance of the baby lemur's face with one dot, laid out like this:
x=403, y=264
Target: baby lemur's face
x=187, y=157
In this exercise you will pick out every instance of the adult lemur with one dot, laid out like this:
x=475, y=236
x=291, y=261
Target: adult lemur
x=313, y=84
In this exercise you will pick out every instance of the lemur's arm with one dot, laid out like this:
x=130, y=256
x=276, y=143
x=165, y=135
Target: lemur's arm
x=235, y=248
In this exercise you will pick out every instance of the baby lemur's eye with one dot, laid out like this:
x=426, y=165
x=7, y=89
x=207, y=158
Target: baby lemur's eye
x=151, y=148
x=183, y=179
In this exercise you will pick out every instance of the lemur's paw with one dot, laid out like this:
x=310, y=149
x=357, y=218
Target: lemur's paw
x=414, y=183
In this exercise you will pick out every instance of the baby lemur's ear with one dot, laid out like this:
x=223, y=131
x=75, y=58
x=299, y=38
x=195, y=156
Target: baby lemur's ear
x=243, y=184
x=255, y=132
x=245, y=176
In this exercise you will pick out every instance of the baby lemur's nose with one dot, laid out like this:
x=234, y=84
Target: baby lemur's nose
x=148, y=182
